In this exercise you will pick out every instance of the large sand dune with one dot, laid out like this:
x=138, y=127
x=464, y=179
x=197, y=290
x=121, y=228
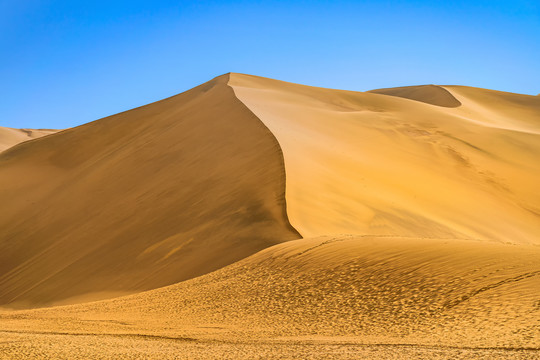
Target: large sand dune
x=10, y=137
x=419, y=207
x=139, y=200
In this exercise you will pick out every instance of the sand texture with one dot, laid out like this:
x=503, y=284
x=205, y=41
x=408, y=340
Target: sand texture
x=329, y=294
x=250, y=218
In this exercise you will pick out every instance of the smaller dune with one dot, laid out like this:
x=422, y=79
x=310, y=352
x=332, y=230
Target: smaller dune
x=429, y=94
x=10, y=137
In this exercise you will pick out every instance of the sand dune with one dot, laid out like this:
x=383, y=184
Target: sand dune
x=366, y=163
x=312, y=293
x=139, y=200
x=10, y=137
x=192, y=207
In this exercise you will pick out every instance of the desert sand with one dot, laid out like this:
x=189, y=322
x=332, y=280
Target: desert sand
x=10, y=137
x=366, y=163
x=254, y=218
x=139, y=200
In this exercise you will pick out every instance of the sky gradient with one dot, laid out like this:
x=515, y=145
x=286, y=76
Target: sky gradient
x=65, y=63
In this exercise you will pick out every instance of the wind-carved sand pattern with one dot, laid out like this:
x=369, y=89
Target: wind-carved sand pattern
x=418, y=206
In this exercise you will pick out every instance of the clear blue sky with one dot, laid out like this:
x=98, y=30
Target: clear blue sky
x=67, y=62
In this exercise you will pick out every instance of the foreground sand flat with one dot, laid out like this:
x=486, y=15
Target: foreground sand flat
x=112, y=347
x=254, y=218
x=331, y=297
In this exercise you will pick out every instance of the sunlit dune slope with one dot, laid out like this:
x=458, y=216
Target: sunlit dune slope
x=354, y=289
x=10, y=137
x=369, y=163
x=139, y=200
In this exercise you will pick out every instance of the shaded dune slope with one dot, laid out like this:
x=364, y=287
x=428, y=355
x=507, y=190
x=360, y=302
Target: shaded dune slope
x=10, y=137
x=379, y=290
x=139, y=200
x=429, y=94
x=366, y=163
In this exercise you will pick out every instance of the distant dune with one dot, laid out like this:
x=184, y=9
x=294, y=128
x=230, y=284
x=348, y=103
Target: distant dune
x=418, y=207
x=10, y=137
x=430, y=94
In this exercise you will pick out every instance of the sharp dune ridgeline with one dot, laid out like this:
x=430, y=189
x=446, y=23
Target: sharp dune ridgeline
x=264, y=219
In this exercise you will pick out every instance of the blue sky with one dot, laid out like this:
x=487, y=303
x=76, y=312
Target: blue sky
x=64, y=63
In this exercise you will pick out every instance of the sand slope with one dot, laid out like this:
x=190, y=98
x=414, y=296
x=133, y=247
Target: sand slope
x=369, y=163
x=10, y=137
x=431, y=294
x=139, y=200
